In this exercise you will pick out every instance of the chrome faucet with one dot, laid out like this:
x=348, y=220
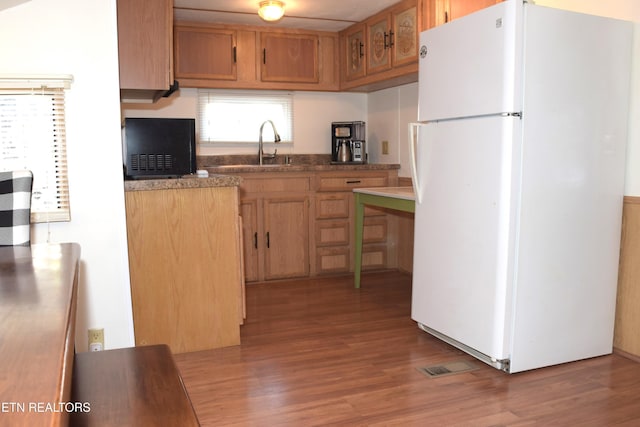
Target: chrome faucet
x=276, y=137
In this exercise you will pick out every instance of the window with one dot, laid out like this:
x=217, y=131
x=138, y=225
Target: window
x=32, y=136
x=234, y=118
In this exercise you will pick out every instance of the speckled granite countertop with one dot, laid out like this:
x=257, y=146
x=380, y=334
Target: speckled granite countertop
x=184, y=182
x=218, y=166
x=221, y=169
x=241, y=163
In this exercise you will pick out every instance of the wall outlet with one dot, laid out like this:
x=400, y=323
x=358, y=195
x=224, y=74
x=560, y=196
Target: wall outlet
x=385, y=147
x=96, y=339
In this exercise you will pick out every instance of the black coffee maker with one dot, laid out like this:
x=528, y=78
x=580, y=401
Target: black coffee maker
x=348, y=143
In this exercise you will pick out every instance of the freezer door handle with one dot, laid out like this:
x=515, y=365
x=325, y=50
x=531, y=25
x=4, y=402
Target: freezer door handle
x=413, y=137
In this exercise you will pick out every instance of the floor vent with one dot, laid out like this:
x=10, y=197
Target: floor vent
x=448, y=369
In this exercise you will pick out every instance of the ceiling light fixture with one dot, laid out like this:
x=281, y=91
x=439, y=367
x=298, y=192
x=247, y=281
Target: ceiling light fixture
x=271, y=10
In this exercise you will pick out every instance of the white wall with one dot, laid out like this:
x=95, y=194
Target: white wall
x=313, y=113
x=390, y=112
x=79, y=37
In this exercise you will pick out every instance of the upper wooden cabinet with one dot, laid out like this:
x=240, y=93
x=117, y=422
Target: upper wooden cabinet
x=392, y=38
x=378, y=43
x=289, y=57
x=145, y=47
x=353, y=40
x=244, y=57
x=383, y=48
x=438, y=12
x=205, y=53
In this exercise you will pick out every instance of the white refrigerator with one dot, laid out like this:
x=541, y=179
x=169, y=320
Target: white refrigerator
x=518, y=165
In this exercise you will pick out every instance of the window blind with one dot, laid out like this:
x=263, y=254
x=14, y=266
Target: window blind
x=226, y=117
x=32, y=136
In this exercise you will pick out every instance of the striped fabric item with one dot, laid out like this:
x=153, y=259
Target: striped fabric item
x=15, y=207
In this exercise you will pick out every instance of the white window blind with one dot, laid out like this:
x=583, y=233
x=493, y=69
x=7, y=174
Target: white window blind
x=32, y=136
x=226, y=117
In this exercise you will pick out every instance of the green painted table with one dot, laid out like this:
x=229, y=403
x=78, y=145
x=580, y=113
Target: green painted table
x=397, y=198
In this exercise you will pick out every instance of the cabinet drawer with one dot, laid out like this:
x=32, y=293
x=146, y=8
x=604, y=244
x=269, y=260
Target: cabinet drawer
x=333, y=259
x=374, y=256
x=253, y=185
x=331, y=233
x=347, y=183
x=333, y=205
x=374, y=230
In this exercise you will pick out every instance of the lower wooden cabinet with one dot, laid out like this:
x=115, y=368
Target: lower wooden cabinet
x=276, y=237
x=334, y=223
x=275, y=218
x=286, y=235
x=302, y=224
x=184, y=261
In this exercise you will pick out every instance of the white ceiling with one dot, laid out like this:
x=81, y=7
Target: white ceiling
x=321, y=15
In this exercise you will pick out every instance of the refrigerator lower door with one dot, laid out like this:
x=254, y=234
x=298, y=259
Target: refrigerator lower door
x=464, y=230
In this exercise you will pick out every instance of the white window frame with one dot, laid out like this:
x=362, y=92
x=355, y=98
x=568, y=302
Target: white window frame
x=33, y=136
x=240, y=114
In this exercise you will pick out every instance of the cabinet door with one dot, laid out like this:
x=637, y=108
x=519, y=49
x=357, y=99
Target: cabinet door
x=354, y=56
x=286, y=224
x=205, y=53
x=459, y=8
x=250, y=234
x=378, y=40
x=404, y=38
x=145, y=40
x=289, y=58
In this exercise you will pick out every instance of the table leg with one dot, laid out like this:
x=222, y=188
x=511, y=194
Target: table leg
x=359, y=224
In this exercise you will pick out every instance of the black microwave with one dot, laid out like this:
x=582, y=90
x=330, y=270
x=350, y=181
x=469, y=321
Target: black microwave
x=158, y=147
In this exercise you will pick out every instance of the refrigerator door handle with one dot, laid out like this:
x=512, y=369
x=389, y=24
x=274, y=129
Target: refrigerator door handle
x=413, y=133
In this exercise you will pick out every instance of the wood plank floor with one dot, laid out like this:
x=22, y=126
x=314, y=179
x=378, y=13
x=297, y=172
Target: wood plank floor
x=319, y=352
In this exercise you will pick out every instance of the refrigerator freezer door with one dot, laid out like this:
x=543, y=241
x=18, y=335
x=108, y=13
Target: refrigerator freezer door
x=467, y=67
x=463, y=225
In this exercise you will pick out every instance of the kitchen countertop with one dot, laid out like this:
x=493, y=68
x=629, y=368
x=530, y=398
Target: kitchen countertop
x=190, y=181
x=405, y=193
x=296, y=167
x=218, y=173
x=246, y=163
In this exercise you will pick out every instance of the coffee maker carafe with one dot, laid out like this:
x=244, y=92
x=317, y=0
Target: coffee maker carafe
x=344, y=151
x=348, y=142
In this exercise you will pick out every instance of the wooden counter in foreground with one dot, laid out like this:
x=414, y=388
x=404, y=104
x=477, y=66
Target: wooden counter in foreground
x=185, y=264
x=38, y=287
